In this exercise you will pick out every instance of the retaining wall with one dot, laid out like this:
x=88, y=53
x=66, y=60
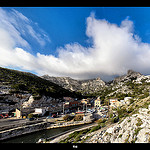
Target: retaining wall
x=22, y=130
x=36, y=127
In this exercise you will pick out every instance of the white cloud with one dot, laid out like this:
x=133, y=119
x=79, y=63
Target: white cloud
x=19, y=26
x=114, y=50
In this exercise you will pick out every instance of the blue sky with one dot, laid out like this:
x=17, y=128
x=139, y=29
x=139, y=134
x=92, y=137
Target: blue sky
x=68, y=24
x=80, y=42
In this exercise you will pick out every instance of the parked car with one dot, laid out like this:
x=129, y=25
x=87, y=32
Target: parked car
x=49, y=117
x=30, y=119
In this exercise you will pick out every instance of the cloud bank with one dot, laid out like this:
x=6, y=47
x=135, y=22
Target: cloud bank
x=114, y=50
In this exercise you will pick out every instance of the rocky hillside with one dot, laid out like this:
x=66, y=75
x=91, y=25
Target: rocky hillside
x=131, y=75
x=16, y=87
x=133, y=126
x=83, y=86
x=23, y=82
x=132, y=84
x=133, y=129
x=65, y=82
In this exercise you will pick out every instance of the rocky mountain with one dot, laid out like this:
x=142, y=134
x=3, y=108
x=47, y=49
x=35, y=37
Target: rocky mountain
x=65, y=82
x=83, y=86
x=23, y=82
x=134, y=128
x=16, y=87
x=131, y=75
x=130, y=124
x=132, y=84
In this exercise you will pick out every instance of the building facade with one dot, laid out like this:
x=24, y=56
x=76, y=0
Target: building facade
x=97, y=103
x=114, y=103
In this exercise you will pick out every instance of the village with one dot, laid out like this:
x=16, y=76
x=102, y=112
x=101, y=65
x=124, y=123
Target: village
x=23, y=113
x=52, y=110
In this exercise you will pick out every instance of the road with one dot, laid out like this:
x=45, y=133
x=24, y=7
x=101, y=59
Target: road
x=58, y=137
x=9, y=123
x=6, y=122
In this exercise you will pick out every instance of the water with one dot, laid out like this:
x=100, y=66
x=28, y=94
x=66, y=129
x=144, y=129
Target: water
x=34, y=137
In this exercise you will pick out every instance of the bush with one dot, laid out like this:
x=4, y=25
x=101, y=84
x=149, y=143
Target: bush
x=122, y=112
x=115, y=119
x=78, y=118
x=67, y=117
x=30, y=116
x=95, y=128
x=101, y=121
x=102, y=125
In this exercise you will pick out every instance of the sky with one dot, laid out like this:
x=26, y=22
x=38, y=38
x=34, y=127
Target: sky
x=77, y=42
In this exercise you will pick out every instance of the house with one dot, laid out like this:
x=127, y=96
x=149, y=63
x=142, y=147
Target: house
x=127, y=100
x=84, y=101
x=122, y=102
x=17, y=113
x=114, y=102
x=66, y=104
x=97, y=103
x=40, y=111
x=68, y=99
x=73, y=104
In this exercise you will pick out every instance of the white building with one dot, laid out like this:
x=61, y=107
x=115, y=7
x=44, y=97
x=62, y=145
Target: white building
x=114, y=102
x=127, y=100
x=40, y=111
x=122, y=102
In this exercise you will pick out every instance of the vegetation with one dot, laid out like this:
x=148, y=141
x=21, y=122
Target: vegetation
x=95, y=128
x=75, y=118
x=75, y=136
x=137, y=130
x=30, y=116
x=122, y=112
x=78, y=118
x=29, y=83
x=68, y=117
x=139, y=122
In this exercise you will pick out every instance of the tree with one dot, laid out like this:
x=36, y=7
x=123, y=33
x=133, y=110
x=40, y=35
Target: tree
x=78, y=118
x=67, y=117
x=19, y=87
x=30, y=116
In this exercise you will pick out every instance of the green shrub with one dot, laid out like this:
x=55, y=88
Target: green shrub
x=78, y=118
x=115, y=119
x=139, y=123
x=137, y=130
x=122, y=112
x=101, y=121
x=30, y=115
x=95, y=128
x=68, y=117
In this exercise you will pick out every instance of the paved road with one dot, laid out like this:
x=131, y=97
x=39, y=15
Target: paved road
x=5, y=122
x=13, y=122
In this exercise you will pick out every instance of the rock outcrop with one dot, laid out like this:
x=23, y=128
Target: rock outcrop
x=83, y=86
x=131, y=75
x=97, y=84
x=133, y=129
